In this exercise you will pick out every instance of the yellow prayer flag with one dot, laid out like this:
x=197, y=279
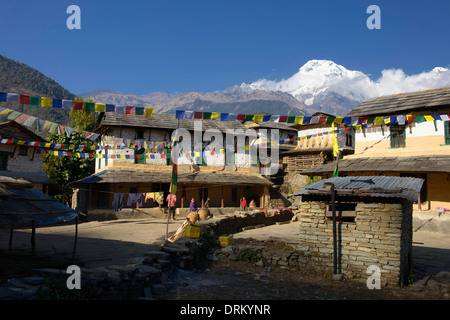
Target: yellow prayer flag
x=298, y=120
x=215, y=115
x=378, y=121
x=387, y=120
x=335, y=143
x=338, y=120
x=149, y=111
x=247, y=147
x=258, y=118
x=222, y=151
x=100, y=156
x=100, y=107
x=6, y=112
x=428, y=118
x=47, y=125
x=197, y=154
x=46, y=102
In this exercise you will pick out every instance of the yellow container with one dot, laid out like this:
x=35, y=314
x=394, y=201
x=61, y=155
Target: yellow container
x=226, y=241
x=192, y=231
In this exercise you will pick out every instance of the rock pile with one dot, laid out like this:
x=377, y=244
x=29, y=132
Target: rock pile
x=267, y=254
x=142, y=278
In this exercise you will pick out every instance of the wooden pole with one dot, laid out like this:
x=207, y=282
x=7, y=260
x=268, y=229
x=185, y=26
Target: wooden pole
x=76, y=239
x=33, y=238
x=11, y=236
x=222, y=198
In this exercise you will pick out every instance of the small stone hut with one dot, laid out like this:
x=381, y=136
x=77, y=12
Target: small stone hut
x=372, y=226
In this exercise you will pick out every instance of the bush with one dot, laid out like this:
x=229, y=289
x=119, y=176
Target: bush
x=248, y=255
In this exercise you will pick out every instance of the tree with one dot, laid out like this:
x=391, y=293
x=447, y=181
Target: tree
x=64, y=170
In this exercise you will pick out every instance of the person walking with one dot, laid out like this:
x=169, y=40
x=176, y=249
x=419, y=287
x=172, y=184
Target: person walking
x=171, y=203
x=243, y=204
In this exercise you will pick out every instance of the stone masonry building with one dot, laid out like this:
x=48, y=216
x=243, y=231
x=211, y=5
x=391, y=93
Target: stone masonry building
x=373, y=227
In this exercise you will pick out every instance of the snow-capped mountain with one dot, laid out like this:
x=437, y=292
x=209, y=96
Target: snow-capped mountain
x=327, y=86
x=319, y=85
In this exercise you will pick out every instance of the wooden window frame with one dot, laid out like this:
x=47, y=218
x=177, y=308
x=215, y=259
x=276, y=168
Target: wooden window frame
x=447, y=132
x=398, y=136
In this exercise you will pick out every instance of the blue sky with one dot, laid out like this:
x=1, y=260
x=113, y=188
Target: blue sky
x=206, y=45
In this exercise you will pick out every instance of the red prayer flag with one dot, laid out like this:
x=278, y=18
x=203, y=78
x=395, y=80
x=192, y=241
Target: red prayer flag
x=24, y=99
x=283, y=119
x=362, y=120
x=129, y=109
x=198, y=115
x=241, y=117
x=323, y=120
x=78, y=105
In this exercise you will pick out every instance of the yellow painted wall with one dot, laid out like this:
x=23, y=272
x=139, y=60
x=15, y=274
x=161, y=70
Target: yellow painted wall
x=415, y=146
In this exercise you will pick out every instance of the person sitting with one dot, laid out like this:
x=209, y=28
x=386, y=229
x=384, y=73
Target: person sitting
x=193, y=206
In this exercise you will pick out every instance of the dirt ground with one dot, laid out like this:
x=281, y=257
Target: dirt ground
x=115, y=242
x=236, y=280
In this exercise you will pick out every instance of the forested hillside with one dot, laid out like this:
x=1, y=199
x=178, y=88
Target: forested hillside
x=16, y=77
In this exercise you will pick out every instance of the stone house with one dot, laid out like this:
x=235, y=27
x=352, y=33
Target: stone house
x=215, y=176
x=371, y=228
x=20, y=160
x=314, y=149
x=416, y=146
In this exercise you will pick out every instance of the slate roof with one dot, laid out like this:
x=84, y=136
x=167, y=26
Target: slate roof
x=24, y=133
x=418, y=164
x=123, y=176
x=396, y=104
x=367, y=186
x=163, y=121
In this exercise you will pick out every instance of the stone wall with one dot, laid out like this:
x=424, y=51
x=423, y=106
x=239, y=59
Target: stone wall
x=380, y=235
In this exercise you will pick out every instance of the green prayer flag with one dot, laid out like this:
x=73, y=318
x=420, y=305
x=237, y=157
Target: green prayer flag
x=13, y=115
x=330, y=119
x=420, y=119
x=89, y=106
x=336, y=171
x=35, y=101
x=139, y=110
x=291, y=119
x=248, y=117
x=206, y=115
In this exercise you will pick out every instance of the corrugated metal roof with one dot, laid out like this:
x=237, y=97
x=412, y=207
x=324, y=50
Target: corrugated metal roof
x=368, y=186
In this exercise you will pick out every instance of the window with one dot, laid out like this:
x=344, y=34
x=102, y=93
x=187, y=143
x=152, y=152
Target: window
x=447, y=132
x=398, y=136
x=23, y=151
x=349, y=136
x=140, y=134
x=345, y=212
